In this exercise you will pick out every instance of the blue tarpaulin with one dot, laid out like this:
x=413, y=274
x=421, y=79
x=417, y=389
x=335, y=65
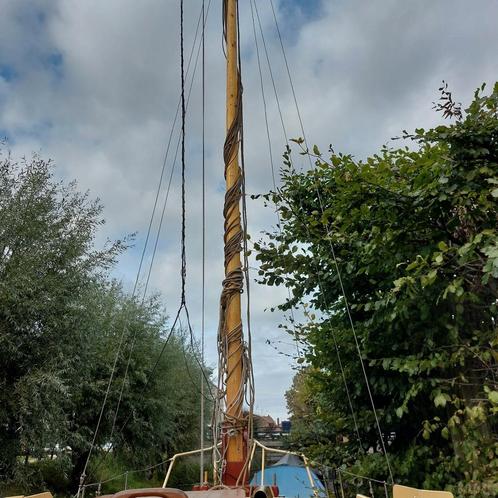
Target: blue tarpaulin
x=291, y=478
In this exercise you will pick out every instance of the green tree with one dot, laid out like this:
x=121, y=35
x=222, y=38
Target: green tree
x=62, y=319
x=47, y=260
x=414, y=233
x=155, y=417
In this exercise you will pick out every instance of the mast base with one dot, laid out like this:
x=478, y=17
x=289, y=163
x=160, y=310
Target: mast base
x=232, y=472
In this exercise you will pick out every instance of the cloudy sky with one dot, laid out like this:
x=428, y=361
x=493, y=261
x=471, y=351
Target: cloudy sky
x=94, y=85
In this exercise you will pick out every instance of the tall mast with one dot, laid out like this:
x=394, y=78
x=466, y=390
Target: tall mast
x=235, y=437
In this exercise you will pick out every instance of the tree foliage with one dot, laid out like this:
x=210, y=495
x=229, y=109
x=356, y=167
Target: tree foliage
x=414, y=234
x=62, y=319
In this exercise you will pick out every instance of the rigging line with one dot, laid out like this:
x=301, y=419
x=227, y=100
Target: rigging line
x=161, y=220
x=355, y=423
x=111, y=377
x=336, y=347
x=277, y=100
x=122, y=474
x=183, y=303
x=353, y=328
x=164, y=345
x=164, y=203
x=165, y=160
x=112, y=442
x=116, y=411
x=358, y=476
x=264, y=100
x=187, y=368
x=203, y=271
x=183, y=257
x=133, y=342
x=176, y=154
x=163, y=210
x=154, y=368
x=193, y=348
x=269, y=144
x=348, y=394
x=182, y=136
x=246, y=268
x=248, y=372
x=290, y=77
x=166, y=154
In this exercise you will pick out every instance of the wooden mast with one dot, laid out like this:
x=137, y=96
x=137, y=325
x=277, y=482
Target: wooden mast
x=234, y=440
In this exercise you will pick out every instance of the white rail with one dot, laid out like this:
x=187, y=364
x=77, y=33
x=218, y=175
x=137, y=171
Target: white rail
x=172, y=460
x=264, y=449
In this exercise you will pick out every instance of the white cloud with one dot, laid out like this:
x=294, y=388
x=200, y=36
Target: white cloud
x=95, y=86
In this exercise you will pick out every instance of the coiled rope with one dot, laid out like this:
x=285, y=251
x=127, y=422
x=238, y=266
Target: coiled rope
x=231, y=419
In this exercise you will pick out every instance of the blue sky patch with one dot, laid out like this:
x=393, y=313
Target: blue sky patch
x=293, y=14
x=7, y=72
x=54, y=62
x=309, y=8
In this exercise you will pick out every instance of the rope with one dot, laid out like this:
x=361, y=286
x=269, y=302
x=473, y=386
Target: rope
x=233, y=282
x=183, y=256
x=125, y=474
x=147, y=239
x=353, y=329
x=183, y=272
x=165, y=161
x=203, y=272
x=297, y=214
x=272, y=166
x=289, y=74
x=230, y=341
x=249, y=373
x=183, y=303
x=189, y=374
x=200, y=18
x=181, y=141
x=99, y=421
x=183, y=105
x=369, y=480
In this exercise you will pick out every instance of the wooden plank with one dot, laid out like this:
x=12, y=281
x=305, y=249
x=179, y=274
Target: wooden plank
x=46, y=494
x=406, y=492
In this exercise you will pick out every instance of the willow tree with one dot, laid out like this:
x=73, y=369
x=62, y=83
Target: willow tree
x=47, y=260
x=414, y=232
x=62, y=319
